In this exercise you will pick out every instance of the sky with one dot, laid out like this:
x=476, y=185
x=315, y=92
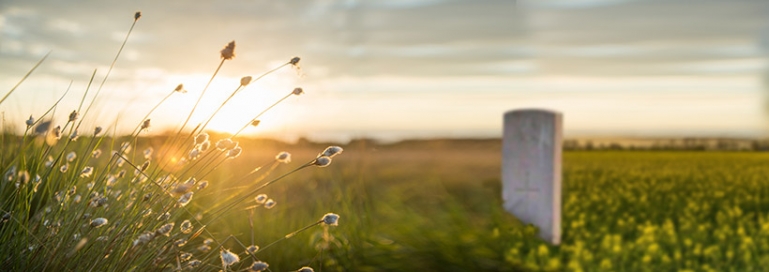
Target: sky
x=398, y=69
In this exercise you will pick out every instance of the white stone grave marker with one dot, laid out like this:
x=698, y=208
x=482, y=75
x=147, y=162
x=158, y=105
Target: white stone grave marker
x=531, y=169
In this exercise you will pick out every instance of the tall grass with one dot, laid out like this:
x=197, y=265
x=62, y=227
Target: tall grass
x=76, y=198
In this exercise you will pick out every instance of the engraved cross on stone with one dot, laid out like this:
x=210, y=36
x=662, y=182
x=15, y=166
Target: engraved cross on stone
x=531, y=169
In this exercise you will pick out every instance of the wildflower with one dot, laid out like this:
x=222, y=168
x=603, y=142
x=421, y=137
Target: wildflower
x=180, y=243
x=255, y=122
x=30, y=121
x=208, y=241
x=202, y=137
x=186, y=227
x=144, y=238
x=165, y=229
x=331, y=151
x=77, y=198
x=74, y=136
x=184, y=256
x=260, y=199
x=297, y=91
x=137, y=15
x=252, y=249
x=229, y=258
x=331, y=219
x=64, y=168
x=96, y=153
x=245, y=80
x=258, y=266
x=145, y=125
x=6, y=217
x=194, y=153
x=180, y=89
x=96, y=131
x=185, y=199
x=283, y=157
x=98, y=222
x=71, y=156
x=305, y=269
x=294, y=61
x=148, y=153
x=73, y=116
x=119, y=162
x=202, y=185
x=23, y=178
x=194, y=263
x=269, y=204
x=229, y=51
x=164, y=216
x=234, y=153
x=121, y=174
x=322, y=161
x=87, y=171
x=225, y=144
x=42, y=127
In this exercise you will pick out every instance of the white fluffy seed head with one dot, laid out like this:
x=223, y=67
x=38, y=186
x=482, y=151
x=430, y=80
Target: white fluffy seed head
x=194, y=153
x=87, y=171
x=252, y=249
x=331, y=151
x=165, y=229
x=228, y=258
x=305, y=269
x=258, y=266
x=30, y=121
x=283, y=157
x=234, y=153
x=270, y=204
x=322, y=161
x=185, y=199
x=202, y=137
x=260, y=199
x=225, y=144
x=202, y=185
x=96, y=131
x=98, y=222
x=331, y=219
x=297, y=91
x=71, y=156
x=186, y=227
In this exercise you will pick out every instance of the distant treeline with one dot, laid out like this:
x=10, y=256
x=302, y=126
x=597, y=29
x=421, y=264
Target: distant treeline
x=688, y=144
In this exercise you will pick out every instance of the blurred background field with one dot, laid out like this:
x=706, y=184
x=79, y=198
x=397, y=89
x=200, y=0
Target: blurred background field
x=435, y=205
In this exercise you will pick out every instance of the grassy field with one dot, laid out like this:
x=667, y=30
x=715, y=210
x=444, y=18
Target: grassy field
x=425, y=206
x=435, y=206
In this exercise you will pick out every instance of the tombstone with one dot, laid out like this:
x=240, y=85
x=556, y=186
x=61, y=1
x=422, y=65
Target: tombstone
x=531, y=169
